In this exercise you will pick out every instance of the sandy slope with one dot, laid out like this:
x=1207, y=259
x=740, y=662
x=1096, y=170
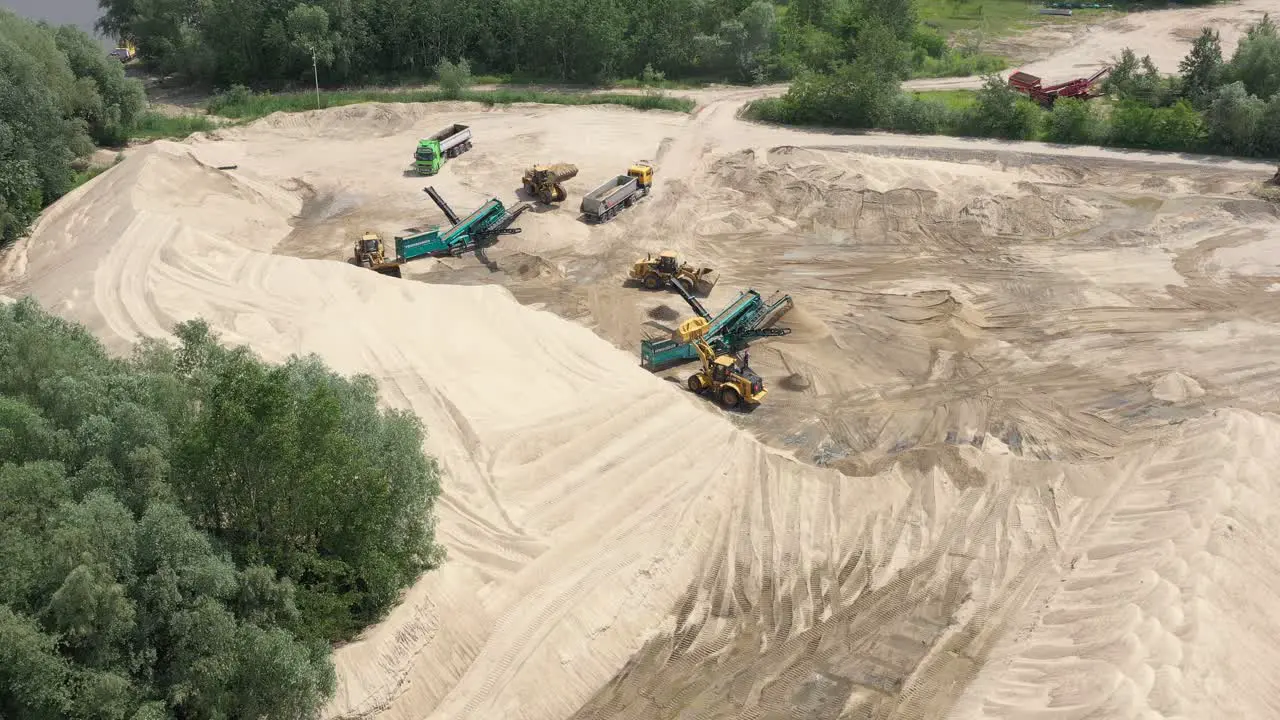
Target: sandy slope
x=1017, y=460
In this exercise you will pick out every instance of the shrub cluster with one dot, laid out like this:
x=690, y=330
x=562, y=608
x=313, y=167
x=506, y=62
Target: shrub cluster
x=1214, y=105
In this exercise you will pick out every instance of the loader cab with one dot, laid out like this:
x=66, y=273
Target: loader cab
x=667, y=262
x=370, y=243
x=722, y=368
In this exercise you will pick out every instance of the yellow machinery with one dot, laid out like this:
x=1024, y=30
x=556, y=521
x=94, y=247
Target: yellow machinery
x=665, y=270
x=726, y=379
x=545, y=182
x=371, y=253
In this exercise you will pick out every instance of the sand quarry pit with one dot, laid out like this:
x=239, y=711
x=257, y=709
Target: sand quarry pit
x=1017, y=461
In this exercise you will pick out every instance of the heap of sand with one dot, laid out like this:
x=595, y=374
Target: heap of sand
x=601, y=520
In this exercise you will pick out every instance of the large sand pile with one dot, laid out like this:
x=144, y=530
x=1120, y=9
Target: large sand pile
x=1022, y=528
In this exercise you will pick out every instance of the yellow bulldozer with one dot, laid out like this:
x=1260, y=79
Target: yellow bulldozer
x=666, y=270
x=370, y=252
x=726, y=379
x=545, y=182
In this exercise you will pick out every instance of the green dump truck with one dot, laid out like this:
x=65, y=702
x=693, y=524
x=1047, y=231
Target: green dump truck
x=432, y=151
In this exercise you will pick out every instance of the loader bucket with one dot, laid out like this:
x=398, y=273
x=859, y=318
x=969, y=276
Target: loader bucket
x=707, y=279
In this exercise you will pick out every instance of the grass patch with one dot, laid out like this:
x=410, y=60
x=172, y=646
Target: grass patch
x=953, y=99
x=996, y=17
x=664, y=84
x=993, y=16
x=959, y=64
x=83, y=176
x=248, y=106
x=156, y=126
x=770, y=110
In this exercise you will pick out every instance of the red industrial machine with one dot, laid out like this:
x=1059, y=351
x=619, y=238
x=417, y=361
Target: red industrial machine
x=1081, y=88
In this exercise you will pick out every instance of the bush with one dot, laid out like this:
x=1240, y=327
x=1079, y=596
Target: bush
x=1002, y=112
x=183, y=530
x=774, y=110
x=1233, y=119
x=1178, y=127
x=1132, y=124
x=911, y=114
x=453, y=77
x=1269, y=129
x=1074, y=121
x=235, y=96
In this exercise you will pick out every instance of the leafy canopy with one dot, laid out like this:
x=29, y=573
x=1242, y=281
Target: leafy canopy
x=185, y=530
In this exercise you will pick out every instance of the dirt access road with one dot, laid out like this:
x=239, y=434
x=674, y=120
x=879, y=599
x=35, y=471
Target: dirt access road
x=1017, y=461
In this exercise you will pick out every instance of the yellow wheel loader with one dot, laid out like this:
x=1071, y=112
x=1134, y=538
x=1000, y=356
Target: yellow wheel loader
x=544, y=182
x=729, y=381
x=371, y=253
x=666, y=269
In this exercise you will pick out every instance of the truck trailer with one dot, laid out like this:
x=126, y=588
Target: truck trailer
x=432, y=151
x=623, y=191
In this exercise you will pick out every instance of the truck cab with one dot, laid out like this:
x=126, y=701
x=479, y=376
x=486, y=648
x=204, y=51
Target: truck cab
x=428, y=158
x=643, y=173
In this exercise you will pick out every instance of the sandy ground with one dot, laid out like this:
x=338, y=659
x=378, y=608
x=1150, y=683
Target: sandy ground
x=1017, y=461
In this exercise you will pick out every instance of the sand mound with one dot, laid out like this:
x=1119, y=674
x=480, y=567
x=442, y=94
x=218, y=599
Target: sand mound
x=1176, y=387
x=372, y=119
x=620, y=549
x=871, y=195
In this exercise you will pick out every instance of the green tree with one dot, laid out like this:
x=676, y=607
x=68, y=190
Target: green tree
x=861, y=93
x=105, y=99
x=308, y=28
x=1202, y=68
x=1233, y=119
x=114, y=604
x=1256, y=61
x=269, y=464
x=38, y=137
x=1138, y=80
x=1269, y=129
x=33, y=678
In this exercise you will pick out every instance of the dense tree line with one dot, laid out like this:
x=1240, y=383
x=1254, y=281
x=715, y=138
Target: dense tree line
x=266, y=42
x=1215, y=104
x=59, y=94
x=185, y=530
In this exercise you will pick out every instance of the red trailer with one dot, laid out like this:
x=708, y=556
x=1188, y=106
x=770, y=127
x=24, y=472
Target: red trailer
x=1082, y=88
